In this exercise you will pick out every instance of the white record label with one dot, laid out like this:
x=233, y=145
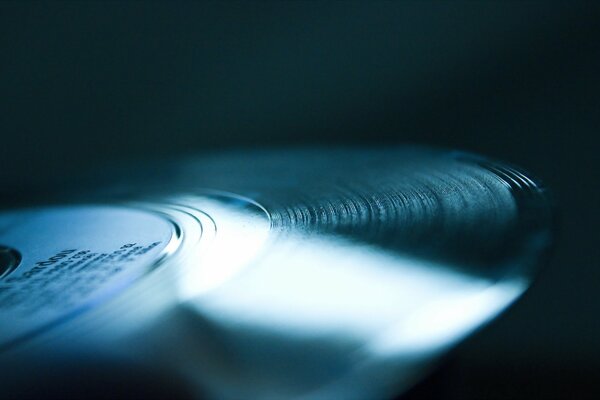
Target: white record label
x=70, y=258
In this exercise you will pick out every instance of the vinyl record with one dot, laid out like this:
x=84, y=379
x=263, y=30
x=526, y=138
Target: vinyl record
x=267, y=274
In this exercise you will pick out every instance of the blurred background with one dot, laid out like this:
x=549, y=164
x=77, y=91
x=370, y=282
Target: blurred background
x=86, y=84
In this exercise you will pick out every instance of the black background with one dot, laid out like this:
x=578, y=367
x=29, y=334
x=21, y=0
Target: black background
x=87, y=84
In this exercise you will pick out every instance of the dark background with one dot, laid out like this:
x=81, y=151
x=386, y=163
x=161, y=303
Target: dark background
x=87, y=84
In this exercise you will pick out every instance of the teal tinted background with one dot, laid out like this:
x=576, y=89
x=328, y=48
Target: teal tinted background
x=85, y=84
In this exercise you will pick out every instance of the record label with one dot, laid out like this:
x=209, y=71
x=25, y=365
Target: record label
x=72, y=258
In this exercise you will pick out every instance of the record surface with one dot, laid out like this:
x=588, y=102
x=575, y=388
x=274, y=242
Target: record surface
x=295, y=274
